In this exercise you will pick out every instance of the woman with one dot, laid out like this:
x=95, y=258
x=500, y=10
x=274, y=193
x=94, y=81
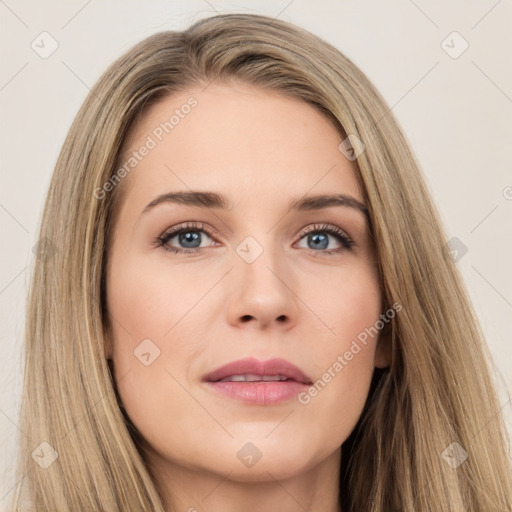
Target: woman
x=243, y=300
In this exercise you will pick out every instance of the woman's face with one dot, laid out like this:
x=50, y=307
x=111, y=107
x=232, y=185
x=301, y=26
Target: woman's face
x=251, y=278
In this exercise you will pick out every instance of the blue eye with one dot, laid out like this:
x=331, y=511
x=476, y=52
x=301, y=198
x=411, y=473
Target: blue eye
x=318, y=235
x=190, y=234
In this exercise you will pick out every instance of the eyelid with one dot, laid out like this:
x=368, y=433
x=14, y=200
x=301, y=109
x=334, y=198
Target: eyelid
x=188, y=225
x=324, y=227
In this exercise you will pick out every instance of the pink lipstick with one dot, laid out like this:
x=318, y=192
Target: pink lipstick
x=258, y=382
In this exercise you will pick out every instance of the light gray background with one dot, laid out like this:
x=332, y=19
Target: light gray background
x=455, y=112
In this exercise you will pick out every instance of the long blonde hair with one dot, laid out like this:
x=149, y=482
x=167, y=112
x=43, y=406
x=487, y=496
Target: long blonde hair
x=438, y=389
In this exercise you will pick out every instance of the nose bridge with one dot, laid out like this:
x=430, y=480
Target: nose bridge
x=258, y=260
x=262, y=290
x=258, y=242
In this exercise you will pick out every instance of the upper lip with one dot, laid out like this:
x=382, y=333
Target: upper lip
x=253, y=366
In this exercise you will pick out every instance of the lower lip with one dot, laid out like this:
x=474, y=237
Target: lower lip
x=260, y=393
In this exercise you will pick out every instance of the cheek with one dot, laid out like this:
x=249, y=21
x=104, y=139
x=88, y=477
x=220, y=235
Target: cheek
x=154, y=301
x=159, y=315
x=347, y=302
x=153, y=347
x=344, y=356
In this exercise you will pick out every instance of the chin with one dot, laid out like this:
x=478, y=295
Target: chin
x=268, y=470
x=262, y=460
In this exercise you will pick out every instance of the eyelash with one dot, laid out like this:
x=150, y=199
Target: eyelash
x=162, y=240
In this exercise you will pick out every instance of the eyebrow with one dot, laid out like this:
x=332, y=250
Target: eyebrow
x=217, y=201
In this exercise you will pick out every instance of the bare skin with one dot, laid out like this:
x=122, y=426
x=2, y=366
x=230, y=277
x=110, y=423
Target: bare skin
x=202, y=310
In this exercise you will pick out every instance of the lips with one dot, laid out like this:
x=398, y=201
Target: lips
x=257, y=382
x=253, y=370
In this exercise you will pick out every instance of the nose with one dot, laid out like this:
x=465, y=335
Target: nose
x=261, y=293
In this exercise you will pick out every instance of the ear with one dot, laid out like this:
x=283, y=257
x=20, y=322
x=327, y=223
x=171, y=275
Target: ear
x=383, y=348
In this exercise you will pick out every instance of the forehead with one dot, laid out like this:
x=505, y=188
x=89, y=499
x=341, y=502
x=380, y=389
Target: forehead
x=243, y=141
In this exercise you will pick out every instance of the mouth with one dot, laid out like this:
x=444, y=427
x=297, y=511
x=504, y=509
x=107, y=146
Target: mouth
x=258, y=382
x=253, y=378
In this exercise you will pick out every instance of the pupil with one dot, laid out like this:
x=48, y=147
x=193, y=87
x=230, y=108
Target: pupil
x=323, y=242
x=189, y=236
